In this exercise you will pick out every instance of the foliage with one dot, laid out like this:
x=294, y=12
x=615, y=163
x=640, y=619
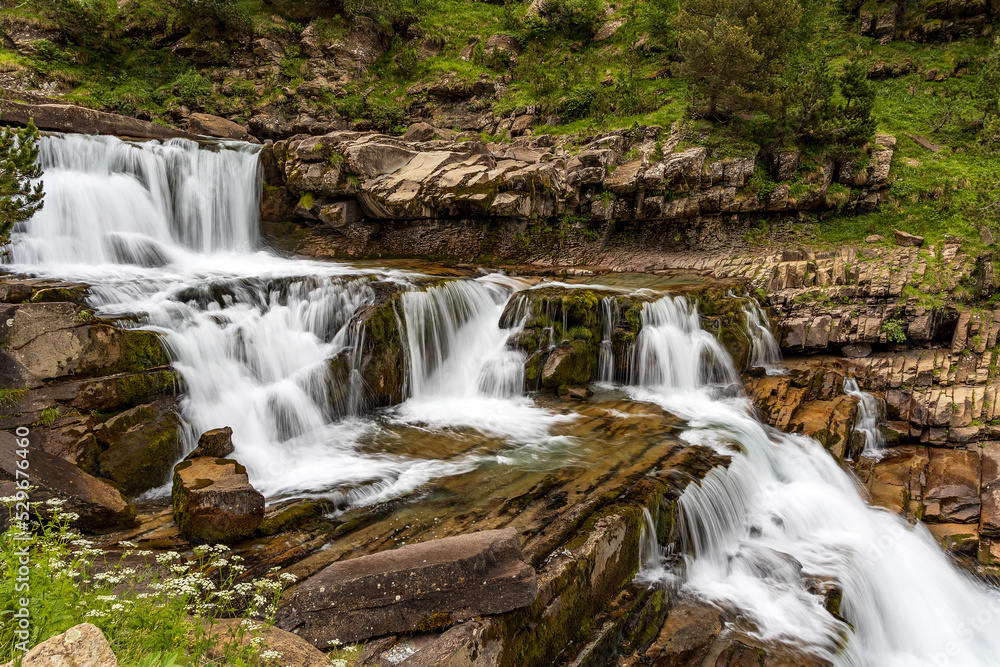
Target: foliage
x=573, y=16
x=98, y=24
x=893, y=330
x=153, y=608
x=19, y=197
x=988, y=97
x=213, y=16
x=828, y=108
x=735, y=51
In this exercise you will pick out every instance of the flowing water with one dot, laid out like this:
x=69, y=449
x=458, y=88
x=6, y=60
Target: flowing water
x=167, y=234
x=871, y=415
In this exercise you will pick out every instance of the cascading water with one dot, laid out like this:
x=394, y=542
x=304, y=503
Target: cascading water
x=610, y=314
x=764, y=350
x=783, y=517
x=871, y=415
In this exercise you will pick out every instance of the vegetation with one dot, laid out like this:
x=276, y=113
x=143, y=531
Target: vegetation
x=20, y=198
x=155, y=611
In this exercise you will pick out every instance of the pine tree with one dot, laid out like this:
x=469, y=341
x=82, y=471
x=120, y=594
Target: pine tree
x=735, y=50
x=19, y=198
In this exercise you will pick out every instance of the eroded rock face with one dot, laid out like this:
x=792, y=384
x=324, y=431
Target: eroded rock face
x=422, y=586
x=100, y=506
x=71, y=118
x=214, y=502
x=82, y=645
x=213, y=126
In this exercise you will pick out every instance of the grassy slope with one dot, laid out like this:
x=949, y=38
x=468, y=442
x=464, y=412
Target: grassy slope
x=593, y=86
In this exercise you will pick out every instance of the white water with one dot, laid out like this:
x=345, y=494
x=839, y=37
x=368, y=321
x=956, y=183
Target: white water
x=168, y=232
x=871, y=415
x=784, y=514
x=764, y=350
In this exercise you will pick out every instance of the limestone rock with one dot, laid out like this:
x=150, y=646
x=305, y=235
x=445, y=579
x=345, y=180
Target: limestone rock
x=214, y=502
x=293, y=649
x=213, y=126
x=82, y=645
x=217, y=443
x=419, y=587
x=80, y=120
x=905, y=239
x=101, y=507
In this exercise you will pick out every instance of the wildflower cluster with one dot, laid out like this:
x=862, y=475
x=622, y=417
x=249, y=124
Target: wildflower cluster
x=157, y=609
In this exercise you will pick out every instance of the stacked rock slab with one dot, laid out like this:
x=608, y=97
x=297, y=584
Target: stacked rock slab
x=214, y=502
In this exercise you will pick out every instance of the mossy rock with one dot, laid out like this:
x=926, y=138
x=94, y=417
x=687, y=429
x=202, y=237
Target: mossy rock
x=214, y=502
x=570, y=363
x=140, y=457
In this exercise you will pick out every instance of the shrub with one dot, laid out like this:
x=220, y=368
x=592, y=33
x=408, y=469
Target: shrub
x=19, y=197
x=146, y=604
x=97, y=24
x=192, y=89
x=573, y=16
x=206, y=16
x=893, y=330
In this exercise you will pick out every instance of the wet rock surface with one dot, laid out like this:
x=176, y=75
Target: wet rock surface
x=214, y=502
x=424, y=586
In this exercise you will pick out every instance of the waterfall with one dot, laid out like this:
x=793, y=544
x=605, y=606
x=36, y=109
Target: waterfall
x=871, y=415
x=610, y=314
x=108, y=201
x=653, y=556
x=764, y=350
x=764, y=535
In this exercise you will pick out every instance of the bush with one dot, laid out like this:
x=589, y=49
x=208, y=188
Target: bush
x=192, y=89
x=146, y=604
x=580, y=100
x=386, y=115
x=97, y=24
x=833, y=109
x=573, y=16
x=19, y=198
x=213, y=16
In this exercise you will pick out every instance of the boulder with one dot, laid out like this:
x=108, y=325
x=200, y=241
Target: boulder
x=573, y=362
x=904, y=239
x=293, y=649
x=340, y=214
x=687, y=635
x=418, y=587
x=214, y=501
x=100, y=506
x=420, y=132
x=217, y=443
x=142, y=446
x=70, y=118
x=70, y=438
x=212, y=126
x=952, y=492
x=82, y=645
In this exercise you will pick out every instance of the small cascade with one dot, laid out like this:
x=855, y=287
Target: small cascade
x=871, y=415
x=610, y=314
x=767, y=535
x=673, y=352
x=461, y=371
x=109, y=201
x=653, y=557
x=764, y=349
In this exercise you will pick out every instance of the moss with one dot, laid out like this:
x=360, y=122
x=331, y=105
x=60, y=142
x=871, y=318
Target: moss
x=141, y=350
x=12, y=396
x=576, y=365
x=436, y=622
x=292, y=516
x=141, y=458
x=142, y=388
x=75, y=294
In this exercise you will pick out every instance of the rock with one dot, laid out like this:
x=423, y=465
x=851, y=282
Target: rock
x=293, y=649
x=269, y=126
x=785, y=164
x=101, y=507
x=521, y=124
x=340, y=214
x=504, y=43
x=687, y=635
x=212, y=126
x=214, y=502
x=217, y=443
x=609, y=29
x=82, y=645
x=989, y=524
x=579, y=393
x=70, y=438
x=904, y=239
x=952, y=491
x=420, y=132
x=268, y=50
x=570, y=363
x=70, y=118
x=874, y=238
x=142, y=446
x=856, y=351
x=418, y=587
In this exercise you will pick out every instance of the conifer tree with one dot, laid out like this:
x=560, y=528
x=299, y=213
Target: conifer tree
x=19, y=197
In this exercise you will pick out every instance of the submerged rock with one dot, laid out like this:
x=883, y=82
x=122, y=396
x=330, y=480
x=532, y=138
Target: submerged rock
x=419, y=587
x=100, y=506
x=214, y=502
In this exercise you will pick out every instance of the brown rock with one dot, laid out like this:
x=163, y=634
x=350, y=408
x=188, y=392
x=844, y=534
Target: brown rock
x=217, y=443
x=504, y=43
x=904, y=239
x=214, y=501
x=100, y=506
x=82, y=645
x=212, y=126
x=418, y=587
x=70, y=118
x=340, y=214
x=990, y=493
x=293, y=649
x=420, y=132
x=858, y=351
x=687, y=635
x=952, y=490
